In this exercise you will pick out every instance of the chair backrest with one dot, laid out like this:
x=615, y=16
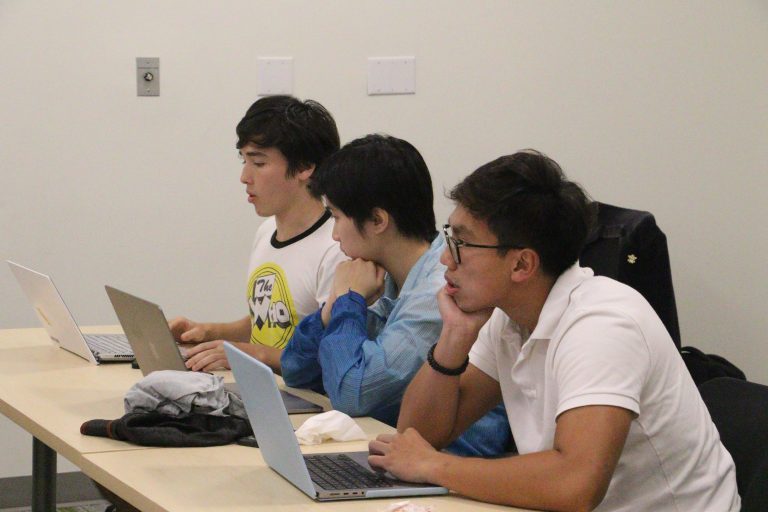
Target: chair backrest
x=628, y=246
x=739, y=410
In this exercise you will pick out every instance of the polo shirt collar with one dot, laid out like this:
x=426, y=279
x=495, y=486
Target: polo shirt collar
x=558, y=299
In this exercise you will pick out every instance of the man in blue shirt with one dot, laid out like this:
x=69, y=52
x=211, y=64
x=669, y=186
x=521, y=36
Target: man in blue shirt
x=379, y=192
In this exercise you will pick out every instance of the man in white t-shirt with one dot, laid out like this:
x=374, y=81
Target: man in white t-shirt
x=281, y=141
x=603, y=411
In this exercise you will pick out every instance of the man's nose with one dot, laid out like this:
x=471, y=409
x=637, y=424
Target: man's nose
x=446, y=258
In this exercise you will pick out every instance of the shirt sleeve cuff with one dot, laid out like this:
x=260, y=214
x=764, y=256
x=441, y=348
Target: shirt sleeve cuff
x=351, y=302
x=611, y=399
x=484, y=364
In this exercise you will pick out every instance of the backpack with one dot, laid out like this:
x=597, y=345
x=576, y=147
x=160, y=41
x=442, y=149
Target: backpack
x=704, y=367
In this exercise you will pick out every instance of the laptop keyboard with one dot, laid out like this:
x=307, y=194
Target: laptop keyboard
x=108, y=344
x=338, y=471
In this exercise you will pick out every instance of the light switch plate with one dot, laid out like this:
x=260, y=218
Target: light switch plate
x=148, y=76
x=391, y=75
x=274, y=75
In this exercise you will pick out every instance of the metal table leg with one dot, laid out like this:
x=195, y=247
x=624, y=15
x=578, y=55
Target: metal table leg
x=43, y=477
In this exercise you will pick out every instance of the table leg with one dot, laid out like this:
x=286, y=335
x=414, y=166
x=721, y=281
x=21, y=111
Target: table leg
x=43, y=477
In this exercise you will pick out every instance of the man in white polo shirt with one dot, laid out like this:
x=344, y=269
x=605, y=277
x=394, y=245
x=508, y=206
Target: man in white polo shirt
x=603, y=411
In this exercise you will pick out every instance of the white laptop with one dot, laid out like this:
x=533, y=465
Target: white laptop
x=58, y=321
x=322, y=477
x=156, y=349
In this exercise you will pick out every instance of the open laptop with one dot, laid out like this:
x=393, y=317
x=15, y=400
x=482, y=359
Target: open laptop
x=146, y=327
x=322, y=477
x=61, y=326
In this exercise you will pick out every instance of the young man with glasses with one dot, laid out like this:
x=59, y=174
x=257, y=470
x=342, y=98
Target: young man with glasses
x=379, y=192
x=602, y=408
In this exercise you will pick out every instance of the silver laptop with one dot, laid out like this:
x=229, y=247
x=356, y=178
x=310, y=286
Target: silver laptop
x=146, y=327
x=58, y=321
x=148, y=333
x=322, y=477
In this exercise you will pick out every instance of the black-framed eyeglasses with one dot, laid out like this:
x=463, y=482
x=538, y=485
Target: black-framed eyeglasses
x=454, y=244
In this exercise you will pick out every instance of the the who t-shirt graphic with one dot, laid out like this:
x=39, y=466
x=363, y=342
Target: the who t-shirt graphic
x=273, y=317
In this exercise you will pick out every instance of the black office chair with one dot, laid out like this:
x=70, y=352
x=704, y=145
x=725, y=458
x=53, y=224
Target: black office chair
x=739, y=410
x=628, y=246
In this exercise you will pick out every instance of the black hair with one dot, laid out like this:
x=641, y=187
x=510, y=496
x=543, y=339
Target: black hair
x=379, y=171
x=304, y=131
x=527, y=201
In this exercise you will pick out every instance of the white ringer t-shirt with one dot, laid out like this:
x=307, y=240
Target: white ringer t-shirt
x=289, y=280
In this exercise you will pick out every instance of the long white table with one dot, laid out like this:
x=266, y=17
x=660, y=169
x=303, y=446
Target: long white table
x=50, y=393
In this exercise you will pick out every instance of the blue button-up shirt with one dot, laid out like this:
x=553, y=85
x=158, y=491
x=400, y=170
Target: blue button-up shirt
x=366, y=357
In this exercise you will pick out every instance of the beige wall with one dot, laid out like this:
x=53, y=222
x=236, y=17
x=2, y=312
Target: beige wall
x=655, y=105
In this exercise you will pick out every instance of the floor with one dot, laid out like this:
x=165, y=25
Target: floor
x=85, y=506
x=75, y=492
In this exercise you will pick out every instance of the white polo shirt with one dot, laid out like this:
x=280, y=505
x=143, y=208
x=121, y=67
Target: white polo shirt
x=598, y=342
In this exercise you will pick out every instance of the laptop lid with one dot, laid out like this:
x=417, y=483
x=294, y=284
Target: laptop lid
x=146, y=327
x=148, y=333
x=272, y=428
x=277, y=441
x=51, y=310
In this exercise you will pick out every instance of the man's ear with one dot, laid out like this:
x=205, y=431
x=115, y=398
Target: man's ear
x=305, y=173
x=524, y=264
x=379, y=221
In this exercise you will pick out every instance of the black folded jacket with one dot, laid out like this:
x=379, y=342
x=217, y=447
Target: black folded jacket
x=155, y=429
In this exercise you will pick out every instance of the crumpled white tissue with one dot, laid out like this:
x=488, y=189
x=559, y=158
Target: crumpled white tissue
x=329, y=425
x=407, y=506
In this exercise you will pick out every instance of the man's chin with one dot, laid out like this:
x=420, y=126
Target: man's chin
x=264, y=213
x=468, y=306
x=463, y=305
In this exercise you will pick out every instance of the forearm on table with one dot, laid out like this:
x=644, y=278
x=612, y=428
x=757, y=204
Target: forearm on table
x=238, y=331
x=573, y=475
x=543, y=481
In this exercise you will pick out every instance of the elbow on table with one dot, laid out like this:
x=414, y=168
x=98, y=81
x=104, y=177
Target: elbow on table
x=301, y=378
x=356, y=402
x=291, y=378
x=586, y=506
x=572, y=488
x=571, y=503
x=587, y=497
x=350, y=407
